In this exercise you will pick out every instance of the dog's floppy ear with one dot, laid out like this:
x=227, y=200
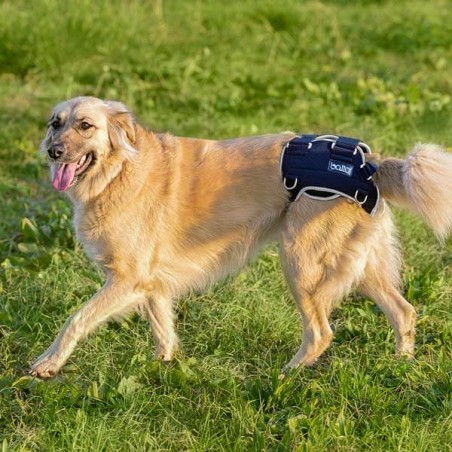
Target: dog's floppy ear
x=121, y=128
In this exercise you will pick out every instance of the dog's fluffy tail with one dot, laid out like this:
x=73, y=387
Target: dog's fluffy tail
x=421, y=182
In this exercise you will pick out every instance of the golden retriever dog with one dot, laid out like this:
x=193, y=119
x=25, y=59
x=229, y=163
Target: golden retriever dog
x=163, y=215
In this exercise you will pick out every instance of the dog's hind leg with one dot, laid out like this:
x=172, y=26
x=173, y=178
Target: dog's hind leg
x=315, y=291
x=381, y=283
x=323, y=253
x=160, y=314
x=399, y=312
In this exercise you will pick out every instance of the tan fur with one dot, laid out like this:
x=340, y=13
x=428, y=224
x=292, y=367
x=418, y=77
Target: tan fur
x=163, y=215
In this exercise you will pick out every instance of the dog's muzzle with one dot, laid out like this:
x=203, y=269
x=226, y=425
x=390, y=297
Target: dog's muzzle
x=55, y=151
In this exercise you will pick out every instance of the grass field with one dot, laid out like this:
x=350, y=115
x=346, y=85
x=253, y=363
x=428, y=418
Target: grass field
x=380, y=70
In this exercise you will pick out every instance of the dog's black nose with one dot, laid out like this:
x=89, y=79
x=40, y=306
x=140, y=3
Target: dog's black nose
x=55, y=151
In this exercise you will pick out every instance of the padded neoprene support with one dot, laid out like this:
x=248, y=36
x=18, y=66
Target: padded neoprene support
x=325, y=167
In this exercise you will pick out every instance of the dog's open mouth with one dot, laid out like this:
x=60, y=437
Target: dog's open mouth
x=67, y=174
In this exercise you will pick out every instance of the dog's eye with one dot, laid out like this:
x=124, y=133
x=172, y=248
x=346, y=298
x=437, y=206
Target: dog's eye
x=55, y=124
x=85, y=125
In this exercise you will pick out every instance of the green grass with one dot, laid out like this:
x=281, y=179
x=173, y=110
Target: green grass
x=379, y=70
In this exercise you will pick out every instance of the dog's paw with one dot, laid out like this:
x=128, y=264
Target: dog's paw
x=45, y=367
x=166, y=353
x=166, y=357
x=287, y=371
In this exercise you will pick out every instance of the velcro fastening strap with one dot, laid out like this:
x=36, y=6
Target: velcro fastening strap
x=346, y=143
x=301, y=143
x=368, y=170
x=306, y=139
x=344, y=149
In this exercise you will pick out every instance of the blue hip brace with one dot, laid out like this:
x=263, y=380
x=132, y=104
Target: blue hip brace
x=325, y=167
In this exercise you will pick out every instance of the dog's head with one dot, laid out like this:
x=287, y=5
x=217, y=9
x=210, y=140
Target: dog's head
x=87, y=139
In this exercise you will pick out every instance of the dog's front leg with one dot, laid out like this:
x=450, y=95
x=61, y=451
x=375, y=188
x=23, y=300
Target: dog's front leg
x=115, y=299
x=159, y=312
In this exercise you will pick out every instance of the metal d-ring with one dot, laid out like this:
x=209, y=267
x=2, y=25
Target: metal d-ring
x=358, y=201
x=294, y=185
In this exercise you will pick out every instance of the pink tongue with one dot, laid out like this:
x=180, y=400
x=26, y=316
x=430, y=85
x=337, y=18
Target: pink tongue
x=63, y=176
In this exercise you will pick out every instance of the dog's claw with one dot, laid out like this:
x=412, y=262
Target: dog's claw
x=42, y=372
x=44, y=367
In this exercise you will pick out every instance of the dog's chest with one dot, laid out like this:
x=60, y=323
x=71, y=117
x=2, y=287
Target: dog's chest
x=91, y=227
x=91, y=238
x=113, y=238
